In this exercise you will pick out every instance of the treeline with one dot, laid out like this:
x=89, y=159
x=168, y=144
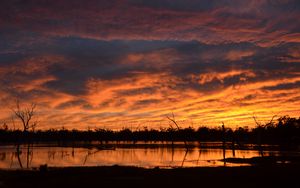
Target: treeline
x=285, y=131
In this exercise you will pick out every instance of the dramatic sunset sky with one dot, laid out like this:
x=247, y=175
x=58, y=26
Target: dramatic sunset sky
x=130, y=63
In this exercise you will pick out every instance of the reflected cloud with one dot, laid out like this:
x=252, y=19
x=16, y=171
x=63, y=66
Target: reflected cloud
x=147, y=157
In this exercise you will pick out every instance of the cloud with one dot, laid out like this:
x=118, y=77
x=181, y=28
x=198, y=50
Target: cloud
x=137, y=91
x=284, y=86
x=74, y=103
x=212, y=22
x=88, y=62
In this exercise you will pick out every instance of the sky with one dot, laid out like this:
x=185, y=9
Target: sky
x=131, y=63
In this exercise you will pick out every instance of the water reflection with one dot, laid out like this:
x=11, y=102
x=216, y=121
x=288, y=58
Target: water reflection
x=143, y=155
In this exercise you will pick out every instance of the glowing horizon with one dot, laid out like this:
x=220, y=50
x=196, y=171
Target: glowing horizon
x=130, y=63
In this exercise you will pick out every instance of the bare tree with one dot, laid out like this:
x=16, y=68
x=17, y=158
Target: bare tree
x=224, y=142
x=261, y=125
x=178, y=128
x=25, y=115
x=260, y=129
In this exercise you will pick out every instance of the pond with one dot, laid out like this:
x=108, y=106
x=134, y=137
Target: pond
x=142, y=154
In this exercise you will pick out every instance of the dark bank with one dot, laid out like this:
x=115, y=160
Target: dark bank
x=117, y=176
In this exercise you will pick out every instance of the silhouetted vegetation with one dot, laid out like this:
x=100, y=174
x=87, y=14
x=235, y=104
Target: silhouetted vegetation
x=285, y=131
x=25, y=116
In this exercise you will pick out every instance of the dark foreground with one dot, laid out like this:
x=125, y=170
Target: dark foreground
x=257, y=176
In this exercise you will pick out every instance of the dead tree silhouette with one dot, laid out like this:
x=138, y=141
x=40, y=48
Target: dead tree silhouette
x=25, y=116
x=178, y=128
x=223, y=143
x=260, y=128
x=185, y=142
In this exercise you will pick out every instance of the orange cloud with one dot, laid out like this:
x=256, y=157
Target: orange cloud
x=131, y=63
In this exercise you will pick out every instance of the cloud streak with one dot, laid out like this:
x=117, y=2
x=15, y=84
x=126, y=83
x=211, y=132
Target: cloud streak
x=130, y=62
x=259, y=21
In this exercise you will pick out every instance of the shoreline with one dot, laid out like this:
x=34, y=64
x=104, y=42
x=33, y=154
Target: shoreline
x=125, y=176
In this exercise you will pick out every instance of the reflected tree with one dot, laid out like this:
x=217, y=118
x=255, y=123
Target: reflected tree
x=184, y=140
x=25, y=115
x=224, y=142
x=178, y=128
x=260, y=128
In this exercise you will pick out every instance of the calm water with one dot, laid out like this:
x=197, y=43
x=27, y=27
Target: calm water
x=142, y=155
